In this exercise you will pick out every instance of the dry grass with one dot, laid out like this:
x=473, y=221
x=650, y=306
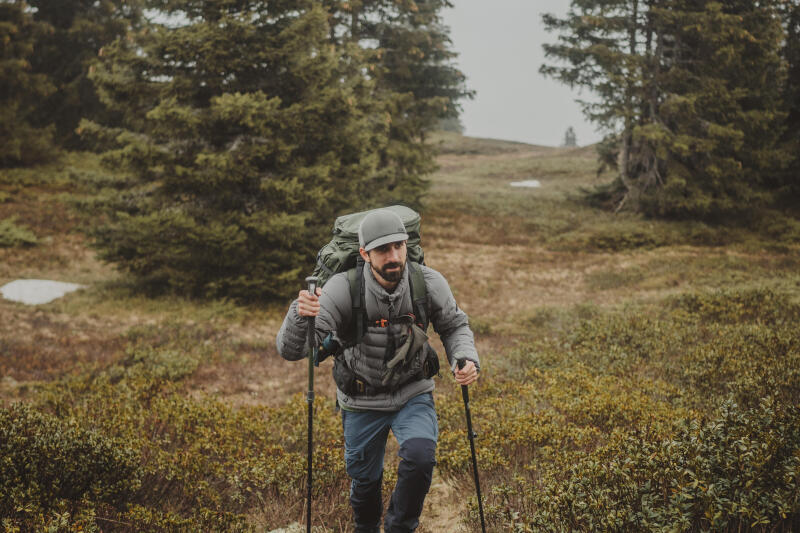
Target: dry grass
x=514, y=258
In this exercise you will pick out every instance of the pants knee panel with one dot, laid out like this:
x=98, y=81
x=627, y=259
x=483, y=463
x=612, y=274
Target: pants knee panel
x=419, y=452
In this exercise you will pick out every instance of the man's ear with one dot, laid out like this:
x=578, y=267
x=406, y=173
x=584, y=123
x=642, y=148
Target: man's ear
x=364, y=255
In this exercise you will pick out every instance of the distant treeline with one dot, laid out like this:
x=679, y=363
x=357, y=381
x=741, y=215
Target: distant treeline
x=239, y=129
x=700, y=99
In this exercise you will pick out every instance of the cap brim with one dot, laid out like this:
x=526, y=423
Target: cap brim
x=394, y=237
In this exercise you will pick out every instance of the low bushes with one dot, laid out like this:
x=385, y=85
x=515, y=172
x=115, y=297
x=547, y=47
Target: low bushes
x=676, y=417
x=54, y=472
x=13, y=235
x=737, y=472
x=203, y=465
x=125, y=446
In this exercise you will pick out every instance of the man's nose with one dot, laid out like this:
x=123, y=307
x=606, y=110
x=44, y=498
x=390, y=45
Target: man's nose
x=394, y=255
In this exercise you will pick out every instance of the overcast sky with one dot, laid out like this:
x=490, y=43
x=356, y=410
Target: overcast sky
x=500, y=50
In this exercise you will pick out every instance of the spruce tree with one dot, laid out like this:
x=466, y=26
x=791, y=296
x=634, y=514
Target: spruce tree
x=410, y=52
x=410, y=58
x=570, y=139
x=720, y=117
x=690, y=94
x=78, y=31
x=789, y=189
x=609, y=47
x=246, y=132
x=21, y=89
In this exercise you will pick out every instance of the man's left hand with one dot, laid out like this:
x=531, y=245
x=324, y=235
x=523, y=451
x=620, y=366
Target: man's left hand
x=467, y=375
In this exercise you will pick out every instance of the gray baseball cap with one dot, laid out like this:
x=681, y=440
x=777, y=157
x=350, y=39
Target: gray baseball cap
x=380, y=227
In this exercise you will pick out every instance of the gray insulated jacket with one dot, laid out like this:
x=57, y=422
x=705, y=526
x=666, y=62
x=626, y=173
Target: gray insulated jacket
x=367, y=358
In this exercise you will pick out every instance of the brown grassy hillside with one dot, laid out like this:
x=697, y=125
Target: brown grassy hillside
x=596, y=331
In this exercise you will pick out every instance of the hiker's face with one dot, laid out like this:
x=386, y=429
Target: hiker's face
x=388, y=260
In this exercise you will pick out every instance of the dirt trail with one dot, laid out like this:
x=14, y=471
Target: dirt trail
x=443, y=511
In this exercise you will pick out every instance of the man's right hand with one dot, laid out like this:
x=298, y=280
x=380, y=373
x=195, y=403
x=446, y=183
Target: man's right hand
x=307, y=303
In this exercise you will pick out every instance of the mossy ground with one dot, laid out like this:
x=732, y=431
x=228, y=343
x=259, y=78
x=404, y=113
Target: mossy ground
x=595, y=331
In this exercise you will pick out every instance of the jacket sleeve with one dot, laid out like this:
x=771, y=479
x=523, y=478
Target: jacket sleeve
x=449, y=321
x=334, y=315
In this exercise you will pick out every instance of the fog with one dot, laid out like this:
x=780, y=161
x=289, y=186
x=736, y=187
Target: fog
x=500, y=50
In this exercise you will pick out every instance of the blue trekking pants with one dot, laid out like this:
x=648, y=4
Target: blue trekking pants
x=365, y=432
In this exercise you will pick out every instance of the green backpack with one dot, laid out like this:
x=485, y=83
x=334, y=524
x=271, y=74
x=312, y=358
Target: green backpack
x=341, y=255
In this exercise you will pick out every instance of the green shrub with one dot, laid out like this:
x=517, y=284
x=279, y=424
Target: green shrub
x=204, y=465
x=738, y=472
x=604, y=425
x=157, y=364
x=761, y=305
x=784, y=229
x=626, y=240
x=51, y=469
x=12, y=235
x=609, y=338
x=701, y=234
x=749, y=361
x=479, y=326
x=614, y=237
x=616, y=278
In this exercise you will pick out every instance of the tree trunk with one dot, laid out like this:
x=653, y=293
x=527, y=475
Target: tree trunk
x=627, y=135
x=356, y=11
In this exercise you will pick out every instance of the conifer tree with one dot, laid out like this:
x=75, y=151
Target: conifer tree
x=720, y=118
x=410, y=52
x=411, y=60
x=690, y=91
x=452, y=124
x=247, y=131
x=21, y=89
x=570, y=139
x=609, y=47
x=789, y=189
x=78, y=31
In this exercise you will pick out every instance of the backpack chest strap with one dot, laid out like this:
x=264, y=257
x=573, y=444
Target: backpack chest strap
x=417, y=288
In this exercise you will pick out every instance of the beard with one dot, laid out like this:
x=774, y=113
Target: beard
x=394, y=275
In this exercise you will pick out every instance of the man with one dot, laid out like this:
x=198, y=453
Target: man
x=391, y=392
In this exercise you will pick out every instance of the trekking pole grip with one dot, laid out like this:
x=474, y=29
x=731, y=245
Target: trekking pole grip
x=461, y=363
x=312, y=282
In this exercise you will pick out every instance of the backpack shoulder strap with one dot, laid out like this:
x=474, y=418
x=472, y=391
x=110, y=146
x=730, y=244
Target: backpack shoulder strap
x=419, y=298
x=355, y=278
x=419, y=294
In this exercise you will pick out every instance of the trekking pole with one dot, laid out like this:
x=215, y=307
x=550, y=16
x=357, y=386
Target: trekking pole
x=471, y=435
x=312, y=356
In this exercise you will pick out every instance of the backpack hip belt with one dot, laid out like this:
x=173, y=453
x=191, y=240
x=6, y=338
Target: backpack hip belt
x=352, y=384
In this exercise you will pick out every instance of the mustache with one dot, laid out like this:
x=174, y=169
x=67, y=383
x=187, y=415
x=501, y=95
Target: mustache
x=392, y=265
